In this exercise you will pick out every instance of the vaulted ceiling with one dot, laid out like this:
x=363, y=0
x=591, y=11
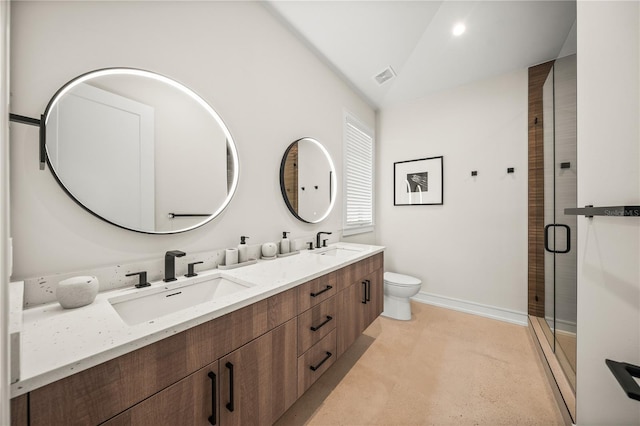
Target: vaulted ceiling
x=360, y=39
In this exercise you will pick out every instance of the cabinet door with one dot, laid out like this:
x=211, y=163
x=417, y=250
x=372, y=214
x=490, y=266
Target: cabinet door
x=191, y=401
x=353, y=315
x=357, y=307
x=259, y=380
x=19, y=411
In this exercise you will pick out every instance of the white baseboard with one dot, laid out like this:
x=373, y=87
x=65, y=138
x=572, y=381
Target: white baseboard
x=493, y=312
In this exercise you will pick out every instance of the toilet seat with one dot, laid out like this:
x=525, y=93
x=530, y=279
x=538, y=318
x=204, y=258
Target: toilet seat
x=401, y=280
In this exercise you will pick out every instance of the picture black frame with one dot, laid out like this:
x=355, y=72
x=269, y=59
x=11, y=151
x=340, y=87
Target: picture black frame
x=418, y=182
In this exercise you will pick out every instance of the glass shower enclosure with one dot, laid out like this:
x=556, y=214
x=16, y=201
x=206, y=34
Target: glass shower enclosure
x=560, y=192
x=552, y=266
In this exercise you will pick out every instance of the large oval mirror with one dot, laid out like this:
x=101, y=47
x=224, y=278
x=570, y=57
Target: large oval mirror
x=140, y=151
x=308, y=180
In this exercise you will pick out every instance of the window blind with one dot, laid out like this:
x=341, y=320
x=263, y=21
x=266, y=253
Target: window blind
x=358, y=177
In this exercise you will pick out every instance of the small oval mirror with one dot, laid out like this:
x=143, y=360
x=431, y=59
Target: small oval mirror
x=308, y=180
x=140, y=151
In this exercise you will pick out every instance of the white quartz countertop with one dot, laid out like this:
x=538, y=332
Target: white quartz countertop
x=58, y=342
x=16, y=301
x=16, y=294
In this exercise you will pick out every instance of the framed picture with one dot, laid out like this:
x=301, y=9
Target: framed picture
x=418, y=182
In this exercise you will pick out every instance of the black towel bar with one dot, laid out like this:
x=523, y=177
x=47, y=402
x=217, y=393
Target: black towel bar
x=614, y=211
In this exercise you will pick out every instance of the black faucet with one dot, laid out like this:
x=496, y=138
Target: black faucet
x=190, y=269
x=142, y=279
x=318, y=238
x=170, y=264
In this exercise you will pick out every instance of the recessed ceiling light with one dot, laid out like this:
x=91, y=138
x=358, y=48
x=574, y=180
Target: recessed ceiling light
x=459, y=29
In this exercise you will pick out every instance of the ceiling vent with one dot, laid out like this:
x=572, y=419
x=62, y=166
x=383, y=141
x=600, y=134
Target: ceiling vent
x=385, y=75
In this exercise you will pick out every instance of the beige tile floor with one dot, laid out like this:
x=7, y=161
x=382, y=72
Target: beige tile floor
x=441, y=368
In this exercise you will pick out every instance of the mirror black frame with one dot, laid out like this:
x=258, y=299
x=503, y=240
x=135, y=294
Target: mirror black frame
x=332, y=183
x=44, y=155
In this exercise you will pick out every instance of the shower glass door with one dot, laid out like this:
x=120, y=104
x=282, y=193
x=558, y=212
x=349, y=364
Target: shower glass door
x=560, y=192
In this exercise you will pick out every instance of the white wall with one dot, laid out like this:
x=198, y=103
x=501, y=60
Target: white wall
x=4, y=213
x=266, y=85
x=474, y=246
x=608, y=175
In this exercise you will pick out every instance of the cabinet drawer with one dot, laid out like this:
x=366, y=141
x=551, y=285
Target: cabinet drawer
x=316, y=291
x=316, y=361
x=316, y=323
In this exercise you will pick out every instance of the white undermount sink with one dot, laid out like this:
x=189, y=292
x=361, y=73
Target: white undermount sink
x=338, y=251
x=166, y=298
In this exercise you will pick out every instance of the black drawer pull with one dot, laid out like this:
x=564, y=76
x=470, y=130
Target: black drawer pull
x=230, y=403
x=315, y=367
x=364, y=292
x=316, y=328
x=212, y=418
x=327, y=288
x=368, y=293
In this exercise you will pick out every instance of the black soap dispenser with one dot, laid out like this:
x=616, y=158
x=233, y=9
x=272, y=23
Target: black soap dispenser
x=285, y=246
x=243, y=255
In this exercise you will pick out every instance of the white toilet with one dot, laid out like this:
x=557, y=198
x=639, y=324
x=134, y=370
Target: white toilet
x=398, y=289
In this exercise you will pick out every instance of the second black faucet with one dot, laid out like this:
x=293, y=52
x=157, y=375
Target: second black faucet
x=170, y=264
x=318, y=238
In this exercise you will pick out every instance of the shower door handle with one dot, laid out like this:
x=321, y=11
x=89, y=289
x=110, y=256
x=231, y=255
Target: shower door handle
x=546, y=238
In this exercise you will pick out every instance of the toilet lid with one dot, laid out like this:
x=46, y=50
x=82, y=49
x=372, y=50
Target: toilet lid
x=400, y=279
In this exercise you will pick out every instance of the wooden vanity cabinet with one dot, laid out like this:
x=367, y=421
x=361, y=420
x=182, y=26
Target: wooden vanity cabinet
x=96, y=395
x=248, y=366
x=254, y=384
x=258, y=381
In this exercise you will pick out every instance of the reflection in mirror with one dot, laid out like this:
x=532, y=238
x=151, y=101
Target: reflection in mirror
x=140, y=151
x=308, y=180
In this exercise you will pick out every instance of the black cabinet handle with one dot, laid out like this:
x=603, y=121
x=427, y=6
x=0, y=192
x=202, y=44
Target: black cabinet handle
x=624, y=374
x=364, y=292
x=212, y=418
x=327, y=288
x=315, y=367
x=230, y=403
x=368, y=292
x=546, y=238
x=318, y=327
